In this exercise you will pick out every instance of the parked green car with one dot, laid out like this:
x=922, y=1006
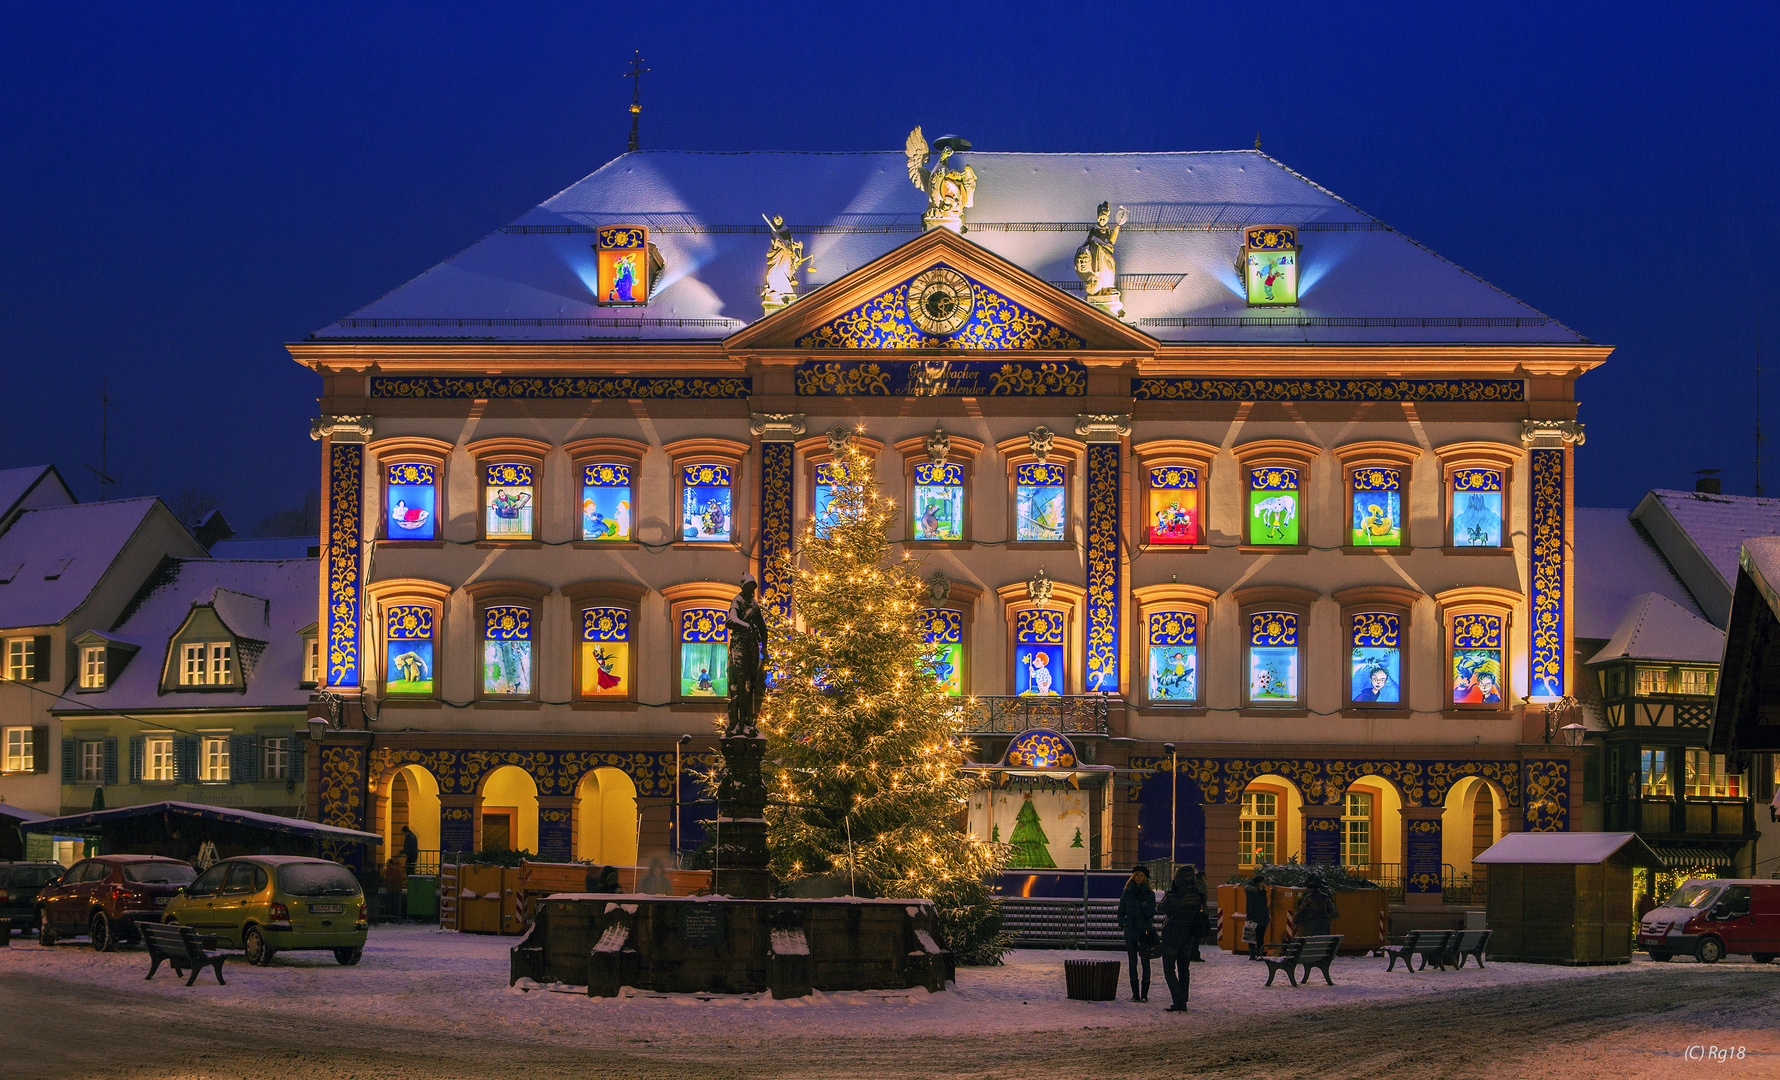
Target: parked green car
x=265, y=904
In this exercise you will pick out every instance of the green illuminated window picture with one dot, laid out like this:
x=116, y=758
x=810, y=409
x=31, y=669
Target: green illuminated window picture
x=1269, y=265
x=1377, y=508
x=507, y=651
x=939, y=501
x=1273, y=506
x=704, y=653
x=944, y=630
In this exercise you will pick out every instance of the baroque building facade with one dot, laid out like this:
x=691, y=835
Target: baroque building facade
x=1270, y=520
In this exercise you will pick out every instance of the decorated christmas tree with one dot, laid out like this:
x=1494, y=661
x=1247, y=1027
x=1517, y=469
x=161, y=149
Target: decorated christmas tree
x=1029, y=841
x=861, y=734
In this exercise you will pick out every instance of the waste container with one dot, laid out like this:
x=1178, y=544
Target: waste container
x=1091, y=980
x=423, y=896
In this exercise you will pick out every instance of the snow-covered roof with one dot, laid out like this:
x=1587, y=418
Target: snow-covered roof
x=1656, y=628
x=264, y=547
x=1568, y=848
x=19, y=813
x=1719, y=524
x=38, y=485
x=1360, y=280
x=51, y=559
x=1761, y=558
x=260, y=601
x=77, y=822
x=1616, y=562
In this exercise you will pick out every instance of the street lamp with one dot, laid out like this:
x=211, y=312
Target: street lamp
x=1573, y=734
x=1173, y=805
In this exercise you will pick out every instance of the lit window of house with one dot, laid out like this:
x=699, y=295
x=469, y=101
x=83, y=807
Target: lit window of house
x=704, y=653
x=1654, y=771
x=1652, y=680
x=706, y=506
x=92, y=761
x=1041, y=502
x=157, y=759
x=21, y=659
x=1257, y=843
x=1376, y=658
x=408, y=642
x=207, y=663
x=507, y=651
x=937, y=507
x=943, y=630
x=1174, y=505
x=1477, y=673
x=1039, y=668
x=92, y=667
x=1268, y=264
x=606, y=501
x=1476, y=507
x=275, y=758
x=410, y=493
x=1273, y=507
x=1699, y=682
x=213, y=759
x=605, y=652
x=21, y=750
x=1273, y=658
x=1376, y=518
x=312, y=660
x=1173, y=642
x=1707, y=776
x=509, y=492
x=1356, y=829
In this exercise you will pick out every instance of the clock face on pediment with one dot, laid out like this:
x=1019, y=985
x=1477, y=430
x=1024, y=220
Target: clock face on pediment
x=940, y=300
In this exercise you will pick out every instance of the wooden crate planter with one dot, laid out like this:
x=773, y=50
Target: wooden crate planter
x=1362, y=917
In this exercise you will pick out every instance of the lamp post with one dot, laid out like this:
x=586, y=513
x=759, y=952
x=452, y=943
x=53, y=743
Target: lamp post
x=1556, y=711
x=682, y=741
x=1173, y=805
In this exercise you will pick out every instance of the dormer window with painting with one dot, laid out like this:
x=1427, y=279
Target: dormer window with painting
x=1268, y=264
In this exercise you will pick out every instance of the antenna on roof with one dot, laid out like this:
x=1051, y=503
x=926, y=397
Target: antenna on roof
x=635, y=75
x=1759, y=437
x=107, y=484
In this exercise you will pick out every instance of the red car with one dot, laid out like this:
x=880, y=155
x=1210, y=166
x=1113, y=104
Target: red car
x=103, y=897
x=1711, y=917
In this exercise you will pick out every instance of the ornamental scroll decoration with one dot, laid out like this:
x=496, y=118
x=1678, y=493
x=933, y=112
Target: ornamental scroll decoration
x=1547, y=796
x=941, y=378
x=776, y=479
x=1546, y=671
x=345, y=584
x=1328, y=390
x=343, y=796
x=555, y=772
x=1102, y=629
x=1323, y=781
x=523, y=388
x=995, y=322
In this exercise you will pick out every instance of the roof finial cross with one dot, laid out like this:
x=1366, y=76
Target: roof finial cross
x=635, y=75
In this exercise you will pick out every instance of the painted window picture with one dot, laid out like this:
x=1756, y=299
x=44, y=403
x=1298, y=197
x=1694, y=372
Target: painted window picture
x=1377, y=658
x=1377, y=508
x=1269, y=265
x=409, y=650
x=705, y=503
x=1174, y=657
x=410, y=493
x=507, y=650
x=1273, y=506
x=1273, y=657
x=1477, y=677
x=704, y=653
x=939, y=501
x=822, y=509
x=605, y=502
x=1040, y=502
x=943, y=629
x=1477, y=508
x=623, y=255
x=1174, y=505
x=507, y=497
x=605, y=652
x=1038, y=653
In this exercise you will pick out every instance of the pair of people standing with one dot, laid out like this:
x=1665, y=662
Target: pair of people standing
x=1315, y=914
x=1185, y=923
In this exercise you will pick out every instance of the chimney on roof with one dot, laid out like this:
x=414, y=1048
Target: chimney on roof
x=1706, y=481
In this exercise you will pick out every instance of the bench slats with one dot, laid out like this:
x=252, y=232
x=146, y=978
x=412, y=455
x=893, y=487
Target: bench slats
x=181, y=947
x=1310, y=953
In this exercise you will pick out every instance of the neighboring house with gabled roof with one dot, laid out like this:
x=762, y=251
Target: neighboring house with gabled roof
x=199, y=689
x=65, y=569
x=1653, y=590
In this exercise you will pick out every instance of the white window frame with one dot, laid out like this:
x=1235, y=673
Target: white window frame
x=1708, y=777
x=275, y=758
x=21, y=750
x=20, y=663
x=207, y=663
x=213, y=759
x=92, y=667
x=92, y=761
x=1356, y=828
x=1652, y=680
x=1699, y=682
x=312, y=660
x=1252, y=821
x=158, y=763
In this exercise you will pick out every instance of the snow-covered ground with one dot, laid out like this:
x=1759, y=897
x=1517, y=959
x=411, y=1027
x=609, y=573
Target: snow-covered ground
x=448, y=983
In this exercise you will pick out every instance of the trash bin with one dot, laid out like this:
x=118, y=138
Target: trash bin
x=5, y=933
x=423, y=896
x=1091, y=980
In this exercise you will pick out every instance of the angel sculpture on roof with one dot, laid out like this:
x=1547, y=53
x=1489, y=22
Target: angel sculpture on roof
x=784, y=257
x=948, y=193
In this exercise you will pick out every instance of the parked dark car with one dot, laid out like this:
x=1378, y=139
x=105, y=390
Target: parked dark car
x=20, y=882
x=103, y=897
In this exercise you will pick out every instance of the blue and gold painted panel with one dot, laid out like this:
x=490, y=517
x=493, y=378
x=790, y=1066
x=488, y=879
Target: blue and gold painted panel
x=1273, y=628
x=605, y=624
x=507, y=623
x=1550, y=533
x=1424, y=853
x=942, y=378
x=1323, y=781
x=1174, y=628
x=1546, y=798
x=1105, y=571
x=775, y=527
x=1322, y=841
x=703, y=625
x=732, y=388
x=887, y=321
x=1040, y=748
x=1431, y=390
x=346, y=465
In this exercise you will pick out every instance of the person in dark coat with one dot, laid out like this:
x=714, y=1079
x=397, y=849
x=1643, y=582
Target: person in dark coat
x=1254, y=906
x=1317, y=910
x=1137, y=921
x=1182, y=907
x=1201, y=926
x=410, y=850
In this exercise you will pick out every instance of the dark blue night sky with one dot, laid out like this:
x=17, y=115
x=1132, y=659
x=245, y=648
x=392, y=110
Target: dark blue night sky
x=186, y=188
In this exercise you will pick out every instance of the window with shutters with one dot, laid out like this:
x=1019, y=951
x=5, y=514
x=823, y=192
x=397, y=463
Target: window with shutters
x=21, y=660
x=157, y=759
x=274, y=759
x=92, y=761
x=21, y=750
x=213, y=760
x=92, y=667
x=207, y=663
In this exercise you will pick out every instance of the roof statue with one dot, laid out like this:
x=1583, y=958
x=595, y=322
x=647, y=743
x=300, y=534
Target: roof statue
x=948, y=193
x=784, y=257
x=1094, y=262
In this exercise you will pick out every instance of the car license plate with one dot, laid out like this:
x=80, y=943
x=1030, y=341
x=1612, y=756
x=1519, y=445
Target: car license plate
x=160, y=901
x=325, y=909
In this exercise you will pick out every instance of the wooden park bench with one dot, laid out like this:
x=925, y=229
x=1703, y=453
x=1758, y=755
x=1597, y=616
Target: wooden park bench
x=1428, y=944
x=1467, y=943
x=181, y=947
x=1310, y=953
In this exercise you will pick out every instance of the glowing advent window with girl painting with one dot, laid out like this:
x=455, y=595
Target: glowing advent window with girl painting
x=1273, y=506
x=1477, y=507
x=705, y=503
x=1174, y=657
x=943, y=630
x=939, y=501
x=1041, y=502
x=1174, y=505
x=1477, y=677
x=1377, y=496
x=410, y=493
x=408, y=650
x=1273, y=658
x=605, y=652
x=704, y=653
x=507, y=495
x=1038, y=653
x=507, y=650
x=605, y=502
x=1376, y=655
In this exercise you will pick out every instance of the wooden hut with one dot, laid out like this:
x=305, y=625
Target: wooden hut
x=1563, y=898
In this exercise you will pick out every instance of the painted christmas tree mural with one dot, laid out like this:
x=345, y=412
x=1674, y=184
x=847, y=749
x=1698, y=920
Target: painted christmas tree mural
x=1029, y=840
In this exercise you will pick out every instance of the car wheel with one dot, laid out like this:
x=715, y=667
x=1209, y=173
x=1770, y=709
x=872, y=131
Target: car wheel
x=254, y=945
x=100, y=933
x=1763, y=957
x=349, y=957
x=1709, y=951
x=1661, y=957
x=46, y=934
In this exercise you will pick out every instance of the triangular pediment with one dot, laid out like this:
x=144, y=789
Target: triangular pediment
x=1000, y=307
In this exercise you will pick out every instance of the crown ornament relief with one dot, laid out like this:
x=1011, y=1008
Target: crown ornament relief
x=1039, y=588
x=1040, y=439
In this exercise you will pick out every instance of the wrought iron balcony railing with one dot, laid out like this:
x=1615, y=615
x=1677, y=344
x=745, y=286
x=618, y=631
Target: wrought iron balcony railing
x=1071, y=714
